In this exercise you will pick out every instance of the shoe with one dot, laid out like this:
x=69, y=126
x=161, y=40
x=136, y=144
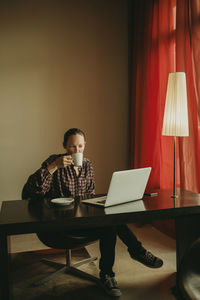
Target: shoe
x=110, y=285
x=148, y=259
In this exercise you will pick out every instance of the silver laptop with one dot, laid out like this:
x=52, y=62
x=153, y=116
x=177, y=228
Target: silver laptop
x=125, y=186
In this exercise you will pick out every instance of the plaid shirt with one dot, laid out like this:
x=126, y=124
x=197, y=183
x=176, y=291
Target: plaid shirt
x=64, y=182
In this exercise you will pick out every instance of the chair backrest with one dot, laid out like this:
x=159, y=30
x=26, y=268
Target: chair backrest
x=24, y=195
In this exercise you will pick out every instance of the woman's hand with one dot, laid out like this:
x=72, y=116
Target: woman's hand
x=60, y=162
x=63, y=161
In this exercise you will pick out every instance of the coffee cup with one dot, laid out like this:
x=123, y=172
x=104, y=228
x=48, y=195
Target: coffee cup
x=77, y=159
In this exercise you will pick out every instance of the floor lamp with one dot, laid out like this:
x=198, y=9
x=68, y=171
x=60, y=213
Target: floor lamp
x=175, y=122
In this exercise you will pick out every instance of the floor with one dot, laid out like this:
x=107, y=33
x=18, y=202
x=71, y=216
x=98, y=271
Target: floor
x=135, y=280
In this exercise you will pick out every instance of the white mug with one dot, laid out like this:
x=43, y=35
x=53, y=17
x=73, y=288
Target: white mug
x=78, y=159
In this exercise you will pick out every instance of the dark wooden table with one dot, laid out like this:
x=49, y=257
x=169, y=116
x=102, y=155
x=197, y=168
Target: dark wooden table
x=22, y=216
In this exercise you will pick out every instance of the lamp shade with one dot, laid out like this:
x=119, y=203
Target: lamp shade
x=175, y=122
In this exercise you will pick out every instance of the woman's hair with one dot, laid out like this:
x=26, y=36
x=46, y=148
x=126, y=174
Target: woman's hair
x=72, y=131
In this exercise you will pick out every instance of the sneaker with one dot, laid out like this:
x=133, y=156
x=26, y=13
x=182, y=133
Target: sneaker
x=148, y=259
x=110, y=285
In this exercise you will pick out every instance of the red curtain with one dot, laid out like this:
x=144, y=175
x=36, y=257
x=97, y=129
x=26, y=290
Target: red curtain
x=166, y=35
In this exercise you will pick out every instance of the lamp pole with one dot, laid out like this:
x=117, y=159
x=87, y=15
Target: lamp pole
x=174, y=185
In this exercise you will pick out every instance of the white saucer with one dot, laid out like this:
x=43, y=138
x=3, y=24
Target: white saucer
x=62, y=201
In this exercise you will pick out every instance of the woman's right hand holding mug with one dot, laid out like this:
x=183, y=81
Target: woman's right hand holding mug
x=60, y=162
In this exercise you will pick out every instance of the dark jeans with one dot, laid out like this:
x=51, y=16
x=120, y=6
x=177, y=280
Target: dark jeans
x=107, y=241
x=107, y=244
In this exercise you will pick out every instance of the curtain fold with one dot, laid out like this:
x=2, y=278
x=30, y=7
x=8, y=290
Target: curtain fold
x=187, y=49
x=166, y=38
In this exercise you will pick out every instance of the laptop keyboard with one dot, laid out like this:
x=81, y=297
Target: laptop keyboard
x=101, y=201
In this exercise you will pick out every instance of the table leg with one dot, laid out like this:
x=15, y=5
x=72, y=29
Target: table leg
x=187, y=231
x=5, y=290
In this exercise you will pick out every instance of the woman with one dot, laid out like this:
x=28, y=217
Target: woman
x=58, y=177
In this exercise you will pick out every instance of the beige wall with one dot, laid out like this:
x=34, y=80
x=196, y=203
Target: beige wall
x=62, y=64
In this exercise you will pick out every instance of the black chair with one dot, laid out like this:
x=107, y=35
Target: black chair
x=188, y=276
x=71, y=241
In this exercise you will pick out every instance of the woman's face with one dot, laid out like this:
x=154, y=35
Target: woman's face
x=75, y=144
